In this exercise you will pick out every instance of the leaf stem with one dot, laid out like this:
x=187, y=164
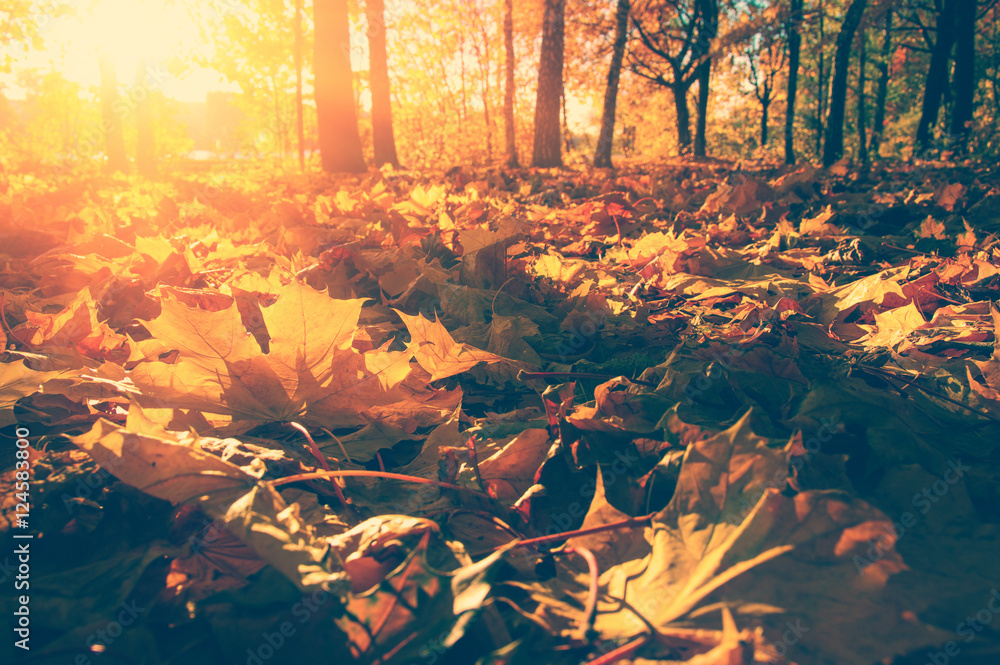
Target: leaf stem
x=624, y=651
x=591, y=611
x=322, y=460
x=352, y=473
x=471, y=445
x=342, y=449
x=906, y=249
x=930, y=391
x=522, y=375
x=611, y=526
x=312, y=445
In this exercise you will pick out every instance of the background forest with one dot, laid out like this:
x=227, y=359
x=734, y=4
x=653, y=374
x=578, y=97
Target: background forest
x=457, y=81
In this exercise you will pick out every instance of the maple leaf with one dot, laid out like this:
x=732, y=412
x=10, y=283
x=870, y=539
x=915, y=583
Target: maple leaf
x=820, y=224
x=179, y=471
x=74, y=334
x=730, y=538
x=484, y=255
x=948, y=196
x=740, y=198
x=931, y=228
x=892, y=326
x=18, y=380
x=437, y=352
x=504, y=336
x=311, y=371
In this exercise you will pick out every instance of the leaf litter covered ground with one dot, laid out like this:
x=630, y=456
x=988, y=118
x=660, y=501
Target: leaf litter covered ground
x=688, y=412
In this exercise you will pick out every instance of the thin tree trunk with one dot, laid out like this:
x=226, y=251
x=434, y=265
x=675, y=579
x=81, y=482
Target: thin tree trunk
x=862, y=132
x=508, y=93
x=764, y=105
x=820, y=111
x=683, y=118
x=336, y=113
x=833, y=142
x=299, y=116
x=550, y=83
x=878, y=123
x=710, y=27
x=701, y=119
x=484, y=72
x=111, y=123
x=382, y=136
x=794, y=46
x=937, y=73
x=564, y=128
x=602, y=156
x=145, y=153
x=279, y=134
x=965, y=73
x=461, y=58
x=995, y=62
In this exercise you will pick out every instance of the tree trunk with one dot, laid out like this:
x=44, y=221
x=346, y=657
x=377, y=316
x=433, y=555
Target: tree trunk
x=484, y=71
x=550, y=82
x=299, y=115
x=683, y=118
x=704, y=75
x=710, y=27
x=280, y=137
x=564, y=128
x=336, y=114
x=385, y=142
x=508, y=94
x=878, y=123
x=937, y=73
x=965, y=73
x=794, y=45
x=111, y=123
x=820, y=111
x=833, y=141
x=862, y=132
x=602, y=156
x=145, y=152
x=461, y=60
x=764, y=105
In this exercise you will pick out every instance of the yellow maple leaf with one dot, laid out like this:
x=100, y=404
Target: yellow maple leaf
x=311, y=372
x=437, y=352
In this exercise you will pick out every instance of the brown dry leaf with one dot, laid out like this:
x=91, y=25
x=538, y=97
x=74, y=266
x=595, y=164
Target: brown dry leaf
x=966, y=240
x=742, y=198
x=948, y=196
x=17, y=381
x=436, y=351
x=881, y=289
x=311, y=372
x=730, y=539
x=166, y=469
x=801, y=183
x=892, y=326
x=255, y=513
x=820, y=224
x=74, y=330
x=931, y=228
x=609, y=547
x=510, y=471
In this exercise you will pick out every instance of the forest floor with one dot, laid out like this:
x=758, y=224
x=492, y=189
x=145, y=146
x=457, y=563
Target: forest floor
x=689, y=411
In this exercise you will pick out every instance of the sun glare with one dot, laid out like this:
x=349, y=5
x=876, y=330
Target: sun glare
x=128, y=32
x=125, y=30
